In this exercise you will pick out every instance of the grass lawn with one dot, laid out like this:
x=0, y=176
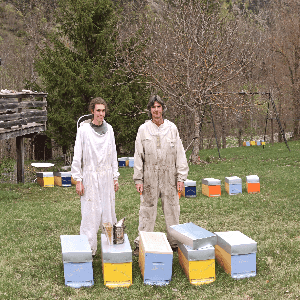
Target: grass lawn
x=33, y=218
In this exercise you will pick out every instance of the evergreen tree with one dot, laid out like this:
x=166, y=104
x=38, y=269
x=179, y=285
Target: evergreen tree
x=75, y=66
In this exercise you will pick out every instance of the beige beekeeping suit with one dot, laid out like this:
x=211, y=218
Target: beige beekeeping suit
x=159, y=162
x=95, y=163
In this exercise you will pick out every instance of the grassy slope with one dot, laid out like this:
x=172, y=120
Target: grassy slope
x=33, y=218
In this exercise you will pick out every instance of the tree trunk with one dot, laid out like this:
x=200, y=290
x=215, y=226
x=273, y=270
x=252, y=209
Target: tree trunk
x=195, y=153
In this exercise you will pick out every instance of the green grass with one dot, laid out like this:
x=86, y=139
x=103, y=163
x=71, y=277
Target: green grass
x=33, y=218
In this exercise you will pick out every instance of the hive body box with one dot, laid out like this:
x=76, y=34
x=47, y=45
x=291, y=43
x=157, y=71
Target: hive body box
x=155, y=258
x=211, y=187
x=258, y=143
x=122, y=161
x=77, y=260
x=199, y=264
x=62, y=179
x=189, y=189
x=192, y=235
x=233, y=185
x=246, y=143
x=236, y=253
x=252, y=184
x=116, y=263
x=252, y=143
x=45, y=179
x=131, y=162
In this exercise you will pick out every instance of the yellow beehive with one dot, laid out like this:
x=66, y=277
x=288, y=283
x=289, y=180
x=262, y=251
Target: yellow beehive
x=198, y=271
x=45, y=179
x=252, y=143
x=116, y=263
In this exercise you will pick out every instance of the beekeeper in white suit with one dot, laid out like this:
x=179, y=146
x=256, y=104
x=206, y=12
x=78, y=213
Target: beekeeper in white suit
x=160, y=169
x=95, y=168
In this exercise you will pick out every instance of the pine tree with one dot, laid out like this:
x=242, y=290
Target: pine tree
x=75, y=66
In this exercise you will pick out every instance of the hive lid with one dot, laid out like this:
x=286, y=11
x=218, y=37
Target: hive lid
x=44, y=174
x=75, y=248
x=211, y=181
x=193, y=235
x=235, y=242
x=62, y=174
x=116, y=253
x=252, y=179
x=155, y=242
x=203, y=253
x=189, y=183
x=233, y=180
x=42, y=165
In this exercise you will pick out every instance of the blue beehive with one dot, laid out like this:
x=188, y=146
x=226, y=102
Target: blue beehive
x=122, y=161
x=77, y=259
x=189, y=188
x=233, y=185
x=131, y=162
x=155, y=258
x=62, y=179
x=236, y=253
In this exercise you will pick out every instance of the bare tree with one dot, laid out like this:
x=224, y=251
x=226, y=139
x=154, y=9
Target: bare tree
x=188, y=52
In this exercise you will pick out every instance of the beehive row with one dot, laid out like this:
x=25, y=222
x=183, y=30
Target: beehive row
x=126, y=162
x=254, y=143
x=234, y=251
x=211, y=187
x=49, y=179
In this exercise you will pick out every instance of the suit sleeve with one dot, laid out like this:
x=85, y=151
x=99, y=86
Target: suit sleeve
x=138, y=175
x=116, y=173
x=181, y=161
x=76, y=169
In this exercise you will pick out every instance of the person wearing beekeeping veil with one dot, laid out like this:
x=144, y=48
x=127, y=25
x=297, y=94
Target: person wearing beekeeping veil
x=95, y=168
x=160, y=169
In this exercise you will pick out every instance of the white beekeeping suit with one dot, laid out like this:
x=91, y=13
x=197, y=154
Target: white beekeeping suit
x=159, y=162
x=95, y=163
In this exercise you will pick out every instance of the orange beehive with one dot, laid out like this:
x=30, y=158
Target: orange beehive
x=252, y=184
x=211, y=187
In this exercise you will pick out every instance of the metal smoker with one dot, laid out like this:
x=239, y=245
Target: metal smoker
x=118, y=232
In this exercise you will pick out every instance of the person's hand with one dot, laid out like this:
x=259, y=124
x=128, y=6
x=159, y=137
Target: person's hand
x=180, y=186
x=139, y=187
x=79, y=188
x=116, y=185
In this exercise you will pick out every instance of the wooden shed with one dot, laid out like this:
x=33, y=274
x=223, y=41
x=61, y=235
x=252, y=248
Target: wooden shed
x=22, y=115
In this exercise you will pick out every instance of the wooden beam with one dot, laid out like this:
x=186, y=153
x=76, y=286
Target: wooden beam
x=20, y=159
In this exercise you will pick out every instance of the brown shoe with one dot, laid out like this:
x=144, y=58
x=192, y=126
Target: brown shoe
x=136, y=251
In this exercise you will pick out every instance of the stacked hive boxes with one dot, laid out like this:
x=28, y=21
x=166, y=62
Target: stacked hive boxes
x=211, y=187
x=77, y=261
x=189, y=189
x=196, y=253
x=62, y=178
x=122, y=161
x=45, y=179
x=236, y=253
x=116, y=263
x=252, y=184
x=233, y=185
x=131, y=162
x=155, y=258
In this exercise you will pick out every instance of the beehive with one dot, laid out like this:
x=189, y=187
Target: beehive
x=62, y=179
x=116, y=263
x=45, y=179
x=263, y=143
x=236, y=253
x=192, y=235
x=199, y=264
x=211, y=187
x=122, y=161
x=233, y=185
x=246, y=143
x=73, y=181
x=258, y=143
x=77, y=260
x=252, y=143
x=189, y=189
x=252, y=184
x=155, y=258
x=131, y=162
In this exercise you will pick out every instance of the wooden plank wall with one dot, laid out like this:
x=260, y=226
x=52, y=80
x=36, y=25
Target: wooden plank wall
x=21, y=115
